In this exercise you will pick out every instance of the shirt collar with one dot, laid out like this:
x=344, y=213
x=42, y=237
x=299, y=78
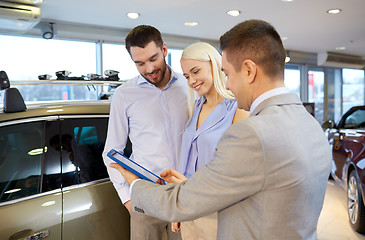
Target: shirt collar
x=266, y=95
x=141, y=80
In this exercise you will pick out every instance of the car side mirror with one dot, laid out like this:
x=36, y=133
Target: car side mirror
x=328, y=124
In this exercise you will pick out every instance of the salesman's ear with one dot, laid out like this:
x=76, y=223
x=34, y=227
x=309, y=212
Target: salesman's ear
x=250, y=69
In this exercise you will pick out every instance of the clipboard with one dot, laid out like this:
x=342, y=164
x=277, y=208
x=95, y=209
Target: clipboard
x=133, y=167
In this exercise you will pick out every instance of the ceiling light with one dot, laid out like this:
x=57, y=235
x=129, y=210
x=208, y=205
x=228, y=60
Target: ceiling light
x=191, y=24
x=47, y=30
x=287, y=0
x=133, y=15
x=234, y=13
x=284, y=38
x=340, y=48
x=334, y=11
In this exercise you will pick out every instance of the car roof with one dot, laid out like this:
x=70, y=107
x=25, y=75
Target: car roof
x=41, y=109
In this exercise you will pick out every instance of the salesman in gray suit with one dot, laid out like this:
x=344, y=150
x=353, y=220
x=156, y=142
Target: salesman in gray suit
x=268, y=177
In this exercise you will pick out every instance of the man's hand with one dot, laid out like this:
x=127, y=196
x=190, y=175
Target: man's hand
x=128, y=176
x=173, y=176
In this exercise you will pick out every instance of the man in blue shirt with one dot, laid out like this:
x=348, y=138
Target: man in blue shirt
x=150, y=109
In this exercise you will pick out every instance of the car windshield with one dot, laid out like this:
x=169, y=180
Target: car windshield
x=356, y=119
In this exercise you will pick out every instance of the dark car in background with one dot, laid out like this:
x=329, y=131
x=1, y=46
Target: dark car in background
x=53, y=182
x=347, y=140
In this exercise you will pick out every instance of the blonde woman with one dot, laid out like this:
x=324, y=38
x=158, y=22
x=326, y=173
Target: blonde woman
x=212, y=109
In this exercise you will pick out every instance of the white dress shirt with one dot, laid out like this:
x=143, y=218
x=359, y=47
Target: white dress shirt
x=266, y=95
x=154, y=120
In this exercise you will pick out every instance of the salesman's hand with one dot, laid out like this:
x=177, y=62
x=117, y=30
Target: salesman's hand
x=128, y=176
x=173, y=176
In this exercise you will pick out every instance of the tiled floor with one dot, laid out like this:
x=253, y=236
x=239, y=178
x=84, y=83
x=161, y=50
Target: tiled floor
x=333, y=222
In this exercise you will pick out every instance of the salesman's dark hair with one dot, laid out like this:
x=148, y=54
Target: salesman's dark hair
x=141, y=36
x=258, y=41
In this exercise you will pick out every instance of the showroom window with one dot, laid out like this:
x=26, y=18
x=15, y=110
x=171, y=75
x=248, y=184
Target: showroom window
x=353, y=88
x=292, y=78
x=173, y=59
x=334, y=94
x=25, y=58
x=116, y=57
x=316, y=92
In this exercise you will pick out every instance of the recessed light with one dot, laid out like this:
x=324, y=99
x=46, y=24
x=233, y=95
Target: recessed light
x=234, y=13
x=340, y=48
x=133, y=15
x=334, y=11
x=191, y=24
x=287, y=0
x=284, y=38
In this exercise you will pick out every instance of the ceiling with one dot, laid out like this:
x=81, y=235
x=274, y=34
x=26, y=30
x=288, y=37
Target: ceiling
x=305, y=23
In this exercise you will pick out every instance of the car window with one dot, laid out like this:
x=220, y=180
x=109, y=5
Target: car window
x=356, y=119
x=21, y=150
x=83, y=141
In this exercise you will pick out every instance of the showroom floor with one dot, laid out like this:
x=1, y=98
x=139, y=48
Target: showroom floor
x=333, y=222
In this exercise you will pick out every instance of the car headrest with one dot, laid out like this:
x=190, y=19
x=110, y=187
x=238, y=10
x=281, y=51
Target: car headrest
x=13, y=101
x=4, y=80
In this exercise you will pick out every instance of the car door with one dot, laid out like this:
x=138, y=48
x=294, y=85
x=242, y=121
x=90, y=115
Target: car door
x=348, y=142
x=91, y=206
x=30, y=204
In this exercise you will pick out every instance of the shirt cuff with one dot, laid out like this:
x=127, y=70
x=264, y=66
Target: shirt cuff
x=131, y=186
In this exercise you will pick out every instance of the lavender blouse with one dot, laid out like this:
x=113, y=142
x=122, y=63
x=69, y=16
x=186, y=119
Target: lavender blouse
x=198, y=145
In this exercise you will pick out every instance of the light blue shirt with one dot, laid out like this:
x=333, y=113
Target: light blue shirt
x=198, y=146
x=154, y=120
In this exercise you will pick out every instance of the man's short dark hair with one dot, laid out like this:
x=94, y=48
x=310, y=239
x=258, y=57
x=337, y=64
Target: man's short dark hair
x=258, y=41
x=141, y=36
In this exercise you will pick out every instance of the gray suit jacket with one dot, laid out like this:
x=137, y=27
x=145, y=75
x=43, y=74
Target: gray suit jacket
x=267, y=180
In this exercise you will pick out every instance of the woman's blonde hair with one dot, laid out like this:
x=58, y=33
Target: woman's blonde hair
x=202, y=51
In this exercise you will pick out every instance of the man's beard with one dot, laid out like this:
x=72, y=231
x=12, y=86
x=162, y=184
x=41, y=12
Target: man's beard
x=159, y=80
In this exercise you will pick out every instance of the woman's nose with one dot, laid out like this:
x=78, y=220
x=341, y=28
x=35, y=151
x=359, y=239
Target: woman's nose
x=191, y=81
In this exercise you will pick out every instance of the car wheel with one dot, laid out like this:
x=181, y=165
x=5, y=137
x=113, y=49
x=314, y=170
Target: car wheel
x=355, y=204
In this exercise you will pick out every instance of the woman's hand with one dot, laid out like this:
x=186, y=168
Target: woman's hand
x=173, y=176
x=175, y=226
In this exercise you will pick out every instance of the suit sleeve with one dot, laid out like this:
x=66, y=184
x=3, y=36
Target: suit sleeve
x=236, y=172
x=117, y=136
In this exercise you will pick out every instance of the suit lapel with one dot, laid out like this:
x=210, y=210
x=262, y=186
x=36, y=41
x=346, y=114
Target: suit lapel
x=281, y=99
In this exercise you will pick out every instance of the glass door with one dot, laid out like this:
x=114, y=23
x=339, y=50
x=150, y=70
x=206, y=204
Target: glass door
x=316, y=92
